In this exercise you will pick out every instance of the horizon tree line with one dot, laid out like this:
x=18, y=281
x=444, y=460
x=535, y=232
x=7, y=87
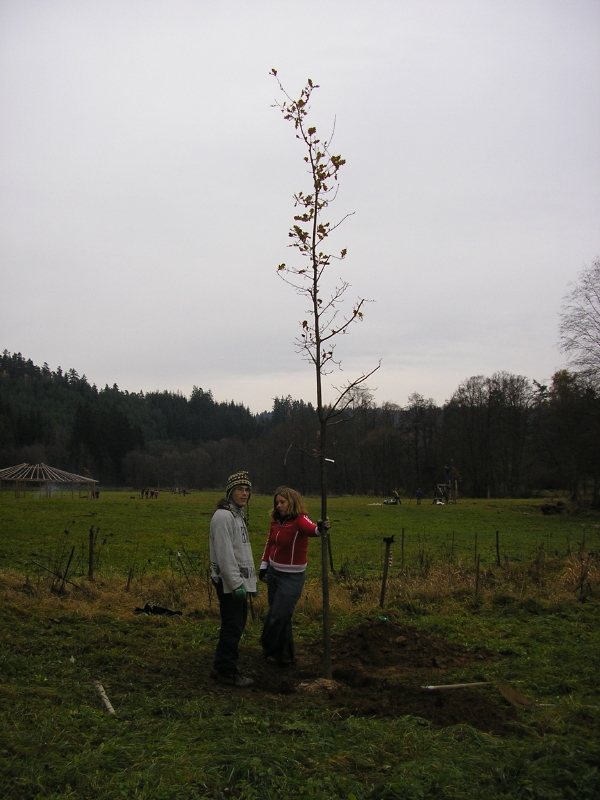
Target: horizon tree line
x=503, y=435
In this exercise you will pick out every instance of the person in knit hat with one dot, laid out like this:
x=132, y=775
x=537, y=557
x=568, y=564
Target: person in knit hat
x=232, y=572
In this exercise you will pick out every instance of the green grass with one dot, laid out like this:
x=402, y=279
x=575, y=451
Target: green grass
x=145, y=533
x=174, y=738
x=177, y=735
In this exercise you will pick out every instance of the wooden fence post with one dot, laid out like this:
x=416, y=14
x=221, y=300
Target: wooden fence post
x=91, y=555
x=389, y=540
x=402, y=551
x=62, y=586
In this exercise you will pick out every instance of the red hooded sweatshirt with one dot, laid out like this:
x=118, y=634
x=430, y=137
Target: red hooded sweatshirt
x=287, y=544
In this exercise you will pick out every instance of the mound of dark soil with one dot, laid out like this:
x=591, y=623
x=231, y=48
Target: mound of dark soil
x=379, y=643
x=379, y=669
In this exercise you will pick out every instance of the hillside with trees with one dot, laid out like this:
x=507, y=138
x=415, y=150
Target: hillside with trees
x=502, y=436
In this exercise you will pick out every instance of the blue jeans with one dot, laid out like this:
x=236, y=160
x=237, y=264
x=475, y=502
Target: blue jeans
x=284, y=589
x=233, y=621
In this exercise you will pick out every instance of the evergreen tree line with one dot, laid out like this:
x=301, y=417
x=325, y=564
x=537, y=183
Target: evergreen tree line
x=502, y=435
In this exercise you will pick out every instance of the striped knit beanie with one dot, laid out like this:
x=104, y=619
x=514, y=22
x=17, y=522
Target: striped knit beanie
x=237, y=479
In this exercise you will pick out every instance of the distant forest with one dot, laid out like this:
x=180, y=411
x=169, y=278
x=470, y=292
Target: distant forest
x=501, y=436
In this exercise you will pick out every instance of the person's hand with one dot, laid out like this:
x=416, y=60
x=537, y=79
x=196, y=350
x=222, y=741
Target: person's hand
x=262, y=575
x=239, y=594
x=323, y=525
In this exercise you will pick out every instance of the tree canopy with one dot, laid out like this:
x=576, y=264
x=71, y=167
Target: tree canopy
x=580, y=324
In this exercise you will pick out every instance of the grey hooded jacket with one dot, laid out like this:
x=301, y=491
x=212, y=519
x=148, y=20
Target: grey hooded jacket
x=230, y=552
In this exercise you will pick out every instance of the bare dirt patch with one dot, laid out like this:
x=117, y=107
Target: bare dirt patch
x=379, y=669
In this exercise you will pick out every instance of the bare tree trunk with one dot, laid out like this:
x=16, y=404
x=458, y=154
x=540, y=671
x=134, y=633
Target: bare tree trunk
x=324, y=561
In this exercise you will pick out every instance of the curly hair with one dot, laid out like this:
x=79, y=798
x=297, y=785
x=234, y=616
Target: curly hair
x=295, y=502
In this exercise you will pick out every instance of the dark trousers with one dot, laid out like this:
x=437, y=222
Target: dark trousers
x=284, y=589
x=233, y=621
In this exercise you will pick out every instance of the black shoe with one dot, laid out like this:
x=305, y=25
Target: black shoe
x=284, y=661
x=234, y=679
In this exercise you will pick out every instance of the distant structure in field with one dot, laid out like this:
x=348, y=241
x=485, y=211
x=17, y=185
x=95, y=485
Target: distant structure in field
x=28, y=477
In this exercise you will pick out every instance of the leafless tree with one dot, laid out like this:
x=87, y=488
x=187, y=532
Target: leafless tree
x=580, y=324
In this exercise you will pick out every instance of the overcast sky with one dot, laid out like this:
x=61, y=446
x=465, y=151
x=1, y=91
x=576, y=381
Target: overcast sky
x=147, y=186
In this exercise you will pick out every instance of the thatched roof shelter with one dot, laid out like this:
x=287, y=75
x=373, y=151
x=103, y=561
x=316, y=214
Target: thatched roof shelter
x=26, y=477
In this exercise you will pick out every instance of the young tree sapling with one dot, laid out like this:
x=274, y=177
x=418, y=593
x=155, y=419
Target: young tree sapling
x=325, y=320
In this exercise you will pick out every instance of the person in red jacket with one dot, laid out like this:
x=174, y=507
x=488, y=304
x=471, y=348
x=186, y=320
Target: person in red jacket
x=283, y=568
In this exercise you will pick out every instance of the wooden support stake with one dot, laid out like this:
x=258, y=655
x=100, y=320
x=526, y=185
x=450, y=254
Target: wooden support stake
x=498, y=548
x=477, y=578
x=91, y=555
x=56, y=574
x=389, y=540
x=182, y=565
x=402, y=551
x=64, y=578
x=105, y=700
x=330, y=554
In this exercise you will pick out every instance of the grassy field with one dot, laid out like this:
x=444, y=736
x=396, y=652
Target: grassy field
x=145, y=533
x=176, y=734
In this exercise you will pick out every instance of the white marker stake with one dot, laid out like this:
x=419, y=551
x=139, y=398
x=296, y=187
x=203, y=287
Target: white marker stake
x=457, y=685
x=105, y=699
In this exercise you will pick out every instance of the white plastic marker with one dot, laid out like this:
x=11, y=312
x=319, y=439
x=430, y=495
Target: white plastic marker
x=457, y=685
x=105, y=699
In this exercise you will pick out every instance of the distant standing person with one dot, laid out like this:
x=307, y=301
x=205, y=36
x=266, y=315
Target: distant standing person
x=419, y=496
x=283, y=568
x=232, y=572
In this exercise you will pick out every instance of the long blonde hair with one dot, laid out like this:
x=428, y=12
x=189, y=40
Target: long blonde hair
x=295, y=503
